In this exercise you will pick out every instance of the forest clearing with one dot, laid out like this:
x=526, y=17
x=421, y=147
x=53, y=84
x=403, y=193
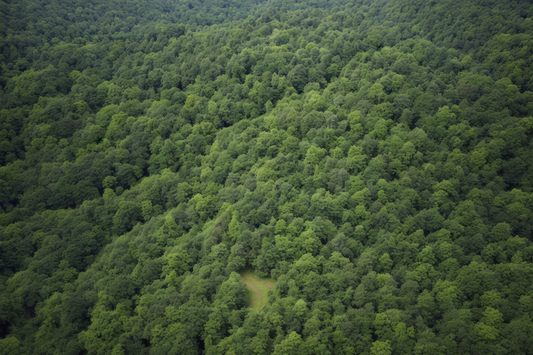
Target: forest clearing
x=257, y=288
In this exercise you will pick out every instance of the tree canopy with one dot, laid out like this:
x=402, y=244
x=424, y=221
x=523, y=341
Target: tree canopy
x=372, y=157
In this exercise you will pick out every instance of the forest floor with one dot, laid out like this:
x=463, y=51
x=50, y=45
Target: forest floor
x=257, y=288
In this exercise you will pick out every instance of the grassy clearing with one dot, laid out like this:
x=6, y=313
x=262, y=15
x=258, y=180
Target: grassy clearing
x=257, y=288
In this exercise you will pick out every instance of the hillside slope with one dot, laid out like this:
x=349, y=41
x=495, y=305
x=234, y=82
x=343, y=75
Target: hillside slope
x=373, y=157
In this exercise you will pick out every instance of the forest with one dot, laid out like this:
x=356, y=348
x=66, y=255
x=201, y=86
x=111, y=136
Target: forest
x=365, y=166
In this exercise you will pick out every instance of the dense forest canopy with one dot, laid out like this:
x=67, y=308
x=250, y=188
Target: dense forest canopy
x=374, y=158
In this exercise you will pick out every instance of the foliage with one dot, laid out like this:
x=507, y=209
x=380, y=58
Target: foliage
x=372, y=157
